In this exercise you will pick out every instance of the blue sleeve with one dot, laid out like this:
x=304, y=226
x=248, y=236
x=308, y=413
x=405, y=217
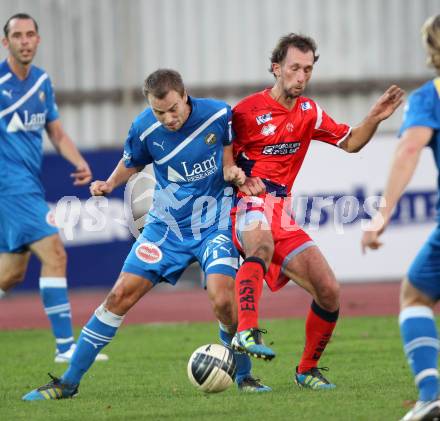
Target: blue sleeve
x=229, y=134
x=136, y=153
x=420, y=111
x=52, y=108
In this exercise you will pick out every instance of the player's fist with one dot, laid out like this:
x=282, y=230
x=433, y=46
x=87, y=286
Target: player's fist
x=253, y=186
x=370, y=240
x=82, y=174
x=234, y=175
x=100, y=188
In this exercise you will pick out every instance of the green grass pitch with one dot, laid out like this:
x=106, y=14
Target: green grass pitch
x=146, y=377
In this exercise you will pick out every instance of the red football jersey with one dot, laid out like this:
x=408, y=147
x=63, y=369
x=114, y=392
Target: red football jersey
x=271, y=141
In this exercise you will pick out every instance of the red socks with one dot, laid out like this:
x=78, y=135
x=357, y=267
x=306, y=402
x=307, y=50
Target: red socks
x=319, y=328
x=248, y=287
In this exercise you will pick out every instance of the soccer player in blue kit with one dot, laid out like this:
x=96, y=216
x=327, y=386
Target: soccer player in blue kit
x=420, y=290
x=27, y=107
x=185, y=139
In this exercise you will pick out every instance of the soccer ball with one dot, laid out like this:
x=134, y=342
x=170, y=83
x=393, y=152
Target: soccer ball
x=211, y=368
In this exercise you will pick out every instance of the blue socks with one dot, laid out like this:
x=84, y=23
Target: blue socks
x=421, y=346
x=242, y=360
x=53, y=292
x=95, y=335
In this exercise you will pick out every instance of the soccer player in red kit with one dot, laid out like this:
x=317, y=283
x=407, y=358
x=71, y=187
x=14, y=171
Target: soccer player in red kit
x=273, y=131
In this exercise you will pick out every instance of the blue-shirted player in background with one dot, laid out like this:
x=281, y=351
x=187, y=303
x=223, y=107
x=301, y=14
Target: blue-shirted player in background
x=27, y=107
x=420, y=290
x=185, y=139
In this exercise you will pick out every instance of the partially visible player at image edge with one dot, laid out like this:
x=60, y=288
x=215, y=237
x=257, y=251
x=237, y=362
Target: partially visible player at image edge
x=27, y=107
x=420, y=289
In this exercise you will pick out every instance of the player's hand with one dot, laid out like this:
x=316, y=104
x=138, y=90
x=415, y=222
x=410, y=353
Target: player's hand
x=100, y=188
x=370, y=240
x=82, y=175
x=253, y=186
x=234, y=175
x=387, y=103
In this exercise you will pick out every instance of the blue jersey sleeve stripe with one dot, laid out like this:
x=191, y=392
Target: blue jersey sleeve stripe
x=25, y=97
x=6, y=77
x=192, y=136
x=150, y=129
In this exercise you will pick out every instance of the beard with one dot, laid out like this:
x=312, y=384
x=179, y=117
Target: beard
x=290, y=94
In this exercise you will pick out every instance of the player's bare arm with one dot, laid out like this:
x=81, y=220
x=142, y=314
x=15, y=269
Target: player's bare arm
x=251, y=186
x=381, y=110
x=232, y=173
x=403, y=166
x=67, y=149
x=120, y=175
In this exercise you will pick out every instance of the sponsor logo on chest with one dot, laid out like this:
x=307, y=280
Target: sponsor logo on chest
x=210, y=139
x=193, y=171
x=31, y=121
x=306, y=106
x=264, y=118
x=268, y=129
x=281, y=149
x=199, y=170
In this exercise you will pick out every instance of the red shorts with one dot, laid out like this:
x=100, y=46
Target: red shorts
x=289, y=239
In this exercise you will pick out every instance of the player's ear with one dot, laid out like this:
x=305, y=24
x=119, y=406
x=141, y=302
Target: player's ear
x=185, y=96
x=276, y=69
x=5, y=42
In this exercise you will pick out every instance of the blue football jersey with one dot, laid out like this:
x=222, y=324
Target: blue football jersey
x=190, y=191
x=26, y=106
x=423, y=109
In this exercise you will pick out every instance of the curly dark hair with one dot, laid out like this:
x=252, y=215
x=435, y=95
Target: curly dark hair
x=302, y=42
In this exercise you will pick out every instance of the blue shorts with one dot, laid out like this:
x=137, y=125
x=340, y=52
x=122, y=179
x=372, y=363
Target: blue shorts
x=424, y=273
x=24, y=219
x=160, y=256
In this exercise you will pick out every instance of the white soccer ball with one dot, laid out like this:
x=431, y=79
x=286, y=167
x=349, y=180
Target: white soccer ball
x=211, y=368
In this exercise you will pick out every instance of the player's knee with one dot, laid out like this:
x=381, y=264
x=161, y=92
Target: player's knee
x=223, y=307
x=118, y=301
x=56, y=260
x=60, y=257
x=412, y=296
x=114, y=299
x=328, y=295
x=263, y=250
x=12, y=278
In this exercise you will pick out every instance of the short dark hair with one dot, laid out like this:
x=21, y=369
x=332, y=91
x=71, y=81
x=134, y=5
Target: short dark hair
x=302, y=42
x=162, y=81
x=18, y=16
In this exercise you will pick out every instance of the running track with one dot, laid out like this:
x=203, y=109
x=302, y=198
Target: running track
x=24, y=311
